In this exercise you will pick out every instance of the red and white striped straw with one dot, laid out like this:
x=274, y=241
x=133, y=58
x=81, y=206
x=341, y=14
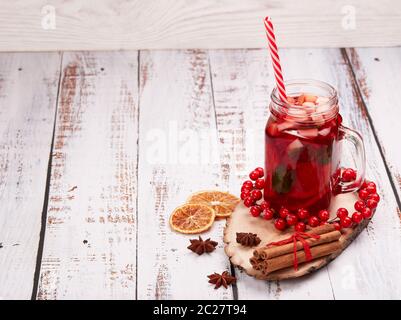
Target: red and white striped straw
x=275, y=59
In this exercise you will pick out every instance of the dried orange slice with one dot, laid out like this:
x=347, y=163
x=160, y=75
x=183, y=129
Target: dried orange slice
x=192, y=218
x=223, y=203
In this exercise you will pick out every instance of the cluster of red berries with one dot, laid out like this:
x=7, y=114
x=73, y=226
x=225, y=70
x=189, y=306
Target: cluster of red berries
x=251, y=190
x=348, y=175
x=252, y=195
x=300, y=219
x=369, y=200
x=342, y=175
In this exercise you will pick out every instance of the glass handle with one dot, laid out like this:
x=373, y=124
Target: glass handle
x=360, y=159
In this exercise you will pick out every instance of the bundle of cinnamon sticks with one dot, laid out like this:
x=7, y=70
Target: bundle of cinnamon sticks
x=276, y=257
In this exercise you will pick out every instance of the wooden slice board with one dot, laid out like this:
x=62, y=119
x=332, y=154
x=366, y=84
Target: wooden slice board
x=242, y=221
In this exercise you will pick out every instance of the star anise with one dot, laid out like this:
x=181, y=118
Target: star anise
x=224, y=279
x=201, y=246
x=248, y=239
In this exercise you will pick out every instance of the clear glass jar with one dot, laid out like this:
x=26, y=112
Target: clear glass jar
x=302, y=149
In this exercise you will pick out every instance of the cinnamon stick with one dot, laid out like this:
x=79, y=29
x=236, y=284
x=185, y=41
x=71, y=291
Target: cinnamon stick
x=327, y=234
x=275, y=251
x=321, y=229
x=256, y=254
x=287, y=260
x=253, y=261
x=258, y=265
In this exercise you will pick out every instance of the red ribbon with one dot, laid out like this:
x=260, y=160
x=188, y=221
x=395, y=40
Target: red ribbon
x=298, y=236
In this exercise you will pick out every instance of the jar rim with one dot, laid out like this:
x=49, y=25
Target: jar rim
x=328, y=109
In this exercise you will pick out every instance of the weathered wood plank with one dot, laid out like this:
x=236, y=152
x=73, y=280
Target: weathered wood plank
x=242, y=83
x=368, y=269
x=178, y=156
x=90, y=243
x=154, y=24
x=384, y=233
x=28, y=92
x=379, y=80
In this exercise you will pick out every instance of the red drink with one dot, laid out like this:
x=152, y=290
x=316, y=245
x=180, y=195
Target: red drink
x=302, y=154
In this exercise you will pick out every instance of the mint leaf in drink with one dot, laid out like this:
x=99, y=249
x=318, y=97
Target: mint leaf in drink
x=323, y=155
x=282, y=179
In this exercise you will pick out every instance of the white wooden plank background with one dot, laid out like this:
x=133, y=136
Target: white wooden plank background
x=130, y=140
x=358, y=272
x=179, y=115
x=172, y=24
x=240, y=88
x=28, y=92
x=379, y=79
x=242, y=83
x=90, y=243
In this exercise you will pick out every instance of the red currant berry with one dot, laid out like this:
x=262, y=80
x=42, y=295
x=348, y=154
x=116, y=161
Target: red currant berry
x=374, y=196
x=342, y=213
x=254, y=175
x=255, y=211
x=303, y=214
x=337, y=226
x=280, y=224
x=265, y=204
x=371, y=188
x=260, y=183
x=248, y=183
x=348, y=175
x=323, y=215
x=367, y=213
x=300, y=227
x=245, y=194
x=292, y=219
x=363, y=194
x=268, y=214
x=260, y=171
x=346, y=222
x=354, y=174
x=256, y=194
x=370, y=203
x=359, y=205
x=283, y=212
x=313, y=221
x=249, y=202
x=364, y=184
x=357, y=217
x=339, y=119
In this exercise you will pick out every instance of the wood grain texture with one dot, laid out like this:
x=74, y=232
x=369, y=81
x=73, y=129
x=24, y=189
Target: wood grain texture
x=377, y=74
x=155, y=24
x=240, y=82
x=178, y=156
x=368, y=268
x=28, y=92
x=90, y=242
x=201, y=124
